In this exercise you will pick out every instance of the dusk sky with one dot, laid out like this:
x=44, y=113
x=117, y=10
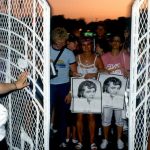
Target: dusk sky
x=91, y=10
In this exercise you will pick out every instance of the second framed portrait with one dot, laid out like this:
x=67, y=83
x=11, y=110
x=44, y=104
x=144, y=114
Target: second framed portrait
x=113, y=89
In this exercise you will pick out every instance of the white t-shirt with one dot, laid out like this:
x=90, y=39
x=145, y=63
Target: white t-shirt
x=3, y=120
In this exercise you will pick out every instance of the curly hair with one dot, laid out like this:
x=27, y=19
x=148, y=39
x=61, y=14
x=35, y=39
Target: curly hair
x=59, y=33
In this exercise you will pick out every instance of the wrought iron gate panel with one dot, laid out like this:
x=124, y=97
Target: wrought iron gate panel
x=139, y=99
x=24, y=45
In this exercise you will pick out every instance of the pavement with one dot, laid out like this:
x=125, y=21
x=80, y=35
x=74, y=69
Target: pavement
x=86, y=144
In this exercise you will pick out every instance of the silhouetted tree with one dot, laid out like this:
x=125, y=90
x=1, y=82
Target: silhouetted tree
x=112, y=26
x=57, y=21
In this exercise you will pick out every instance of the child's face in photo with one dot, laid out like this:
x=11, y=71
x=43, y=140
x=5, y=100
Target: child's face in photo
x=113, y=89
x=89, y=92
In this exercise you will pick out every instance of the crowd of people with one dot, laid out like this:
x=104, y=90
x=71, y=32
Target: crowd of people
x=76, y=55
x=80, y=56
x=84, y=57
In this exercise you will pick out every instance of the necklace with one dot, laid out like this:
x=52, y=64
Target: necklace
x=86, y=62
x=87, y=59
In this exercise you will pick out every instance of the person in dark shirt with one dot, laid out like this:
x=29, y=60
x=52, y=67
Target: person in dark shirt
x=126, y=41
x=102, y=44
x=73, y=44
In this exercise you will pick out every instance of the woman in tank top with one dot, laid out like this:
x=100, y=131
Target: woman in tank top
x=88, y=67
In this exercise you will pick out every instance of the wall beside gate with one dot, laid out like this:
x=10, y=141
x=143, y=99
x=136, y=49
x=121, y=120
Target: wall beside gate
x=24, y=45
x=139, y=100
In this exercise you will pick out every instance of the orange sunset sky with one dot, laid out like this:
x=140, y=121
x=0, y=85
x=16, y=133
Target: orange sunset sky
x=91, y=10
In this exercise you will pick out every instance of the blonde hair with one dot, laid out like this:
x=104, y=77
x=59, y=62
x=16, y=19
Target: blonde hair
x=59, y=33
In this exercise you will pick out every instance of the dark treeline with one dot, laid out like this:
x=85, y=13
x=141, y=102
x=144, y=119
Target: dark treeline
x=112, y=26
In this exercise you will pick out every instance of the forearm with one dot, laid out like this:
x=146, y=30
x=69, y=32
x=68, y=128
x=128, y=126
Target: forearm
x=102, y=70
x=7, y=87
x=73, y=68
x=90, y=75
x=94, y=75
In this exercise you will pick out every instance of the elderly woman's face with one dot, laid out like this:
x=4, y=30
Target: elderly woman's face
x=59, y=44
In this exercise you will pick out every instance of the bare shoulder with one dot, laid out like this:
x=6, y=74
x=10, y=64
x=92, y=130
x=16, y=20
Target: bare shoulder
x=98, y=59
x=99, y=63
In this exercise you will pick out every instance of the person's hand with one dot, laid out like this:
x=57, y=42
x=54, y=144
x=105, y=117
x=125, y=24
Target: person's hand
x=22, y=81
x=90, y=75
x=99, y=50
x=106, y=71
x=126, y=73
x=68, y=98
x=75, y=74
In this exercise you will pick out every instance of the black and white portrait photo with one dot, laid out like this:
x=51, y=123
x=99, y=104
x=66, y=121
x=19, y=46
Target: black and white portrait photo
x=113, y=89
x=86, y=96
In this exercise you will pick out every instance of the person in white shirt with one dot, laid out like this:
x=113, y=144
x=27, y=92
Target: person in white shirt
x=5, y=88
x=88, y=65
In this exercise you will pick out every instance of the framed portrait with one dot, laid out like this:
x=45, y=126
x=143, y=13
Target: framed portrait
x=113, y=90
x=86, y=95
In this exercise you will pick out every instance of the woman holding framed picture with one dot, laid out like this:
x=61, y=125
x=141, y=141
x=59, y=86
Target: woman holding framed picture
x=115, y=62
x=88, y=65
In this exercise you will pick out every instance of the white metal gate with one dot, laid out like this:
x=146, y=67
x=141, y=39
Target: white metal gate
x=139, y=99
x=24, y=44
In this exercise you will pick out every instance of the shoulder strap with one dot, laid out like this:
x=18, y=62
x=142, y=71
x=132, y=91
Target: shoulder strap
x=95, y=59
x=79, y=59
x=61, y=51
x=124, y=60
